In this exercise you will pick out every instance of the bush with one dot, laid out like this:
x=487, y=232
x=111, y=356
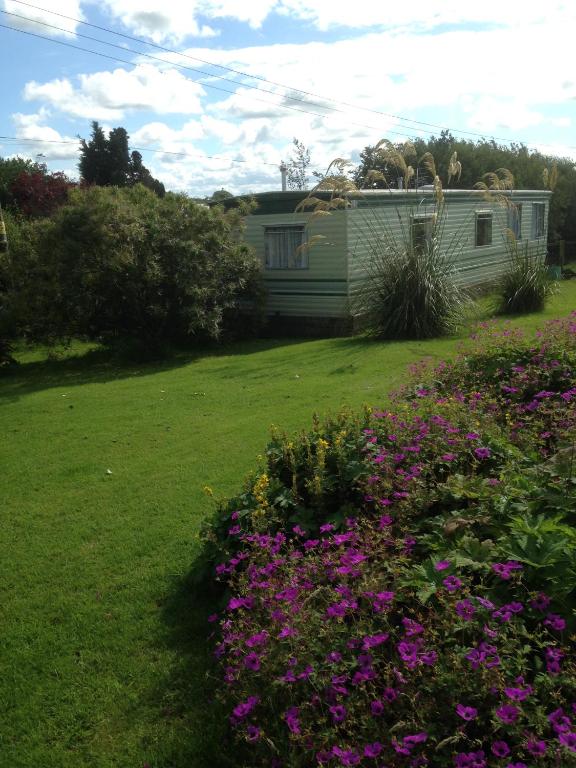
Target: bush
x=116, y=263
x=409, y=294
x=400, y=584
x=525, y=286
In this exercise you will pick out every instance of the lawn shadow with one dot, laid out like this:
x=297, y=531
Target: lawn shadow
x=188, y=692
x=102, y=365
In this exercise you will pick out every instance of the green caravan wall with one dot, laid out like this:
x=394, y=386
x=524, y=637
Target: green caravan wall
x=385, y=218
x=321, y=290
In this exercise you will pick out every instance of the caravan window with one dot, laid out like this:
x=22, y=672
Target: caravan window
x=421, y=230
x=483, y=228
x=538, y=220
x=282, y=247
x=515, y=219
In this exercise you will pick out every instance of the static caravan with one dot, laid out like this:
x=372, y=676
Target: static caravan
x=313, y=288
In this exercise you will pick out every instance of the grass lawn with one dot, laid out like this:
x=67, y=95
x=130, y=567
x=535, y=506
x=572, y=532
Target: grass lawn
x=102, y=649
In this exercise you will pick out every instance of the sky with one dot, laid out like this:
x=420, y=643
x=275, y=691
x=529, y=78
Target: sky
x=213, y=92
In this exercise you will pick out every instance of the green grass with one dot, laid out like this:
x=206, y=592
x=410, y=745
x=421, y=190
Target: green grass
x=103, y=657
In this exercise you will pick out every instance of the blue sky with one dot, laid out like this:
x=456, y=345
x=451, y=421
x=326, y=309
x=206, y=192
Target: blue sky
x=376, y=70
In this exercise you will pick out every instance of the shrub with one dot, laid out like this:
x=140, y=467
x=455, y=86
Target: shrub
x=525, y=286
x=409, y=294
x=400, y=584
x=115, y=263
x=330, y=658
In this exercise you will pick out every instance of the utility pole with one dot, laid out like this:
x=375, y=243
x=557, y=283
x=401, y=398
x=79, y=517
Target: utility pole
x=3, y=238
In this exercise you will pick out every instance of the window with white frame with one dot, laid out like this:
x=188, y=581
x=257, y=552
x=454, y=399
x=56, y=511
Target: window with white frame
x=515, y=220
x=538, y=220
x=421, y=231
x=483, y=228
x=283, y=247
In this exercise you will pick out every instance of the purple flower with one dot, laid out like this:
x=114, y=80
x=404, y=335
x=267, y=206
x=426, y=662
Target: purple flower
x=466, y=713
x=260, y=638
x=559, y=721
x=346, y=756
x=507, y=713
x=373, y=750
x=500, y=749
x=338, y=713
x=568, y=740
x=372, y=641
x=412, y=627
x=377, y=707
x=334, y=657
x=291, y=717
x=326, y=528
x=517, y=765
x=452, y=584
x=536, y=747
x=253, y=733
x=504, y=570
x=390, y=695
x=240, y=602
x=448, y=456
x=465, y=609
x=554, y=621
x=540, y=602
x=245, y=707
x=518, y=694
x=482, y=453
x=235, y=530
x=416, y=738
x=470, y=760
x=441, y=565
x=485, y=603
x=252, y=661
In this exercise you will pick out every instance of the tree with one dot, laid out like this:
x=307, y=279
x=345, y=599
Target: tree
x=39, y=194
x=10, y=169
x=297, y=166
x=108, y=162
x=219, y=195
x=477, y=158
x=123, y=263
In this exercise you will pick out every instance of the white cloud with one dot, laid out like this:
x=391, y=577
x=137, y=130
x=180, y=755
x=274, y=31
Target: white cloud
x=175, y=20
x=39, y=139
x=421, y=14
x=65, y=7
x=170, y=21
x=110, y=95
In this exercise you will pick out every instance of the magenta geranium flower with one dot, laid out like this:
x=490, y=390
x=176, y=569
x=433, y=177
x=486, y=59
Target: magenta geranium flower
x=555, y=622
x=442, y=565
x=482, y=453
x=373, y=750
x=500, y=749
x=338, y=713
x=507, y=713
x=452, y=584
x=465, y=609
x=253, y=733
x=466, y=713
x=536, y=747
x=568, y=740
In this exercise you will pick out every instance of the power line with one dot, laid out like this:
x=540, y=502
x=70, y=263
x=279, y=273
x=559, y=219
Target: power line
x=228, y=69
x=175, y=64
x=18, y=140
x=208, y=85
x=265, y=80
x=404, y=134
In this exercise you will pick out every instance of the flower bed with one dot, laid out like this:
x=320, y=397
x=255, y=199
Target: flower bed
x=402, y=582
